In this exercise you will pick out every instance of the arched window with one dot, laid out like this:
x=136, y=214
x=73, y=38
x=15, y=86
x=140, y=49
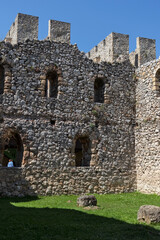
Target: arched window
x=12, y=148
x=51, y=89
x=82, y=152
x=157, y=81
x=1, y=79
x=99, y=88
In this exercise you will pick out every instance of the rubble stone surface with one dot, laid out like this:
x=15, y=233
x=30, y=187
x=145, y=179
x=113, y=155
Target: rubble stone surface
x=149, y=214
x=87, y=200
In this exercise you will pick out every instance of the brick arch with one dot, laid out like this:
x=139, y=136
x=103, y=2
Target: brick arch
x=52, y=69
x=13, y=140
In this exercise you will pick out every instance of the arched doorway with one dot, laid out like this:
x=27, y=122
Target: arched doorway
x=12, y=148
x=82, y=152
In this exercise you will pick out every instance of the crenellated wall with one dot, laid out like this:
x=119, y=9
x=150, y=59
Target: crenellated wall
x=49, y=127
x=26, y=27
x=53, y=96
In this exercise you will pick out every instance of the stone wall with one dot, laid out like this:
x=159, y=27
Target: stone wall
x=54, y=96
x=147, y=131
x=49, y=127
x=33, y=180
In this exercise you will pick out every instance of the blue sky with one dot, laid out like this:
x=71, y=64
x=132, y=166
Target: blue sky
x=91, y=20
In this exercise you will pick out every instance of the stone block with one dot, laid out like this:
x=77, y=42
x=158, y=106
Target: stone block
x=87, y=200
x=149, y=214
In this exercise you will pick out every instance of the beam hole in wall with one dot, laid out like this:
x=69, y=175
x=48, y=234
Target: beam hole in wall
x=12, y=148
x=1, y=79
x=96, y=124
x=99, y=88
x=82, y=152
x=51, y=88
x=53, y=122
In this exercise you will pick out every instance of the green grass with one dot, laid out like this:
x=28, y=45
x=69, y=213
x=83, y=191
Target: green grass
x=59, y=218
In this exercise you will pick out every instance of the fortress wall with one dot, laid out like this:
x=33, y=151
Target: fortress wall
x=59, y=31
x=50, y=181
x=114, y=48
x=147, y=131
x=49, y=148
x=25, y=27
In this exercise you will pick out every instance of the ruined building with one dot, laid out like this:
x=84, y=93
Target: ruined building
x=74, y=122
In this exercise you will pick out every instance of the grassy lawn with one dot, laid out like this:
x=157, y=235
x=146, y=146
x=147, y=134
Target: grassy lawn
x=59, y=218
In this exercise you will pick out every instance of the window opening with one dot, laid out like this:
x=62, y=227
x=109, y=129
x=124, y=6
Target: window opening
x=1, y=79
x=51, y=88
x=99, y=88
x=82, y=152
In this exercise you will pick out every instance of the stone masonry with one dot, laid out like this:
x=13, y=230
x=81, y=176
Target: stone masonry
x=75, y=125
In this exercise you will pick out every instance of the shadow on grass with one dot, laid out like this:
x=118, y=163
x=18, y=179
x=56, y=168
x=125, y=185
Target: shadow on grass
x=18, y=223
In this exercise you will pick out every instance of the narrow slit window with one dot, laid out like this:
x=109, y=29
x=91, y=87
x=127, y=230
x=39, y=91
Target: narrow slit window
x=1, y=79
x=51, y=89
x=99, y=88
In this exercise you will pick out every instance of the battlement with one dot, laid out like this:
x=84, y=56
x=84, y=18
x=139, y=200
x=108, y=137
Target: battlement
x=145, y=51
x=115, y=48
x=26, y=27
x=59, y=31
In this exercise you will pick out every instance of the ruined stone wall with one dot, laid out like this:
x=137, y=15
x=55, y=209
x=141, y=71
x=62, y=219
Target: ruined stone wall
x=49, y=127
x=147, y=131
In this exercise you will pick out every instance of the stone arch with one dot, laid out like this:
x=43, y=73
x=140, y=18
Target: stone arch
x=12, y=147
x=156, y=81
x=82, y=151
x=99, y=89
x=51, y=79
